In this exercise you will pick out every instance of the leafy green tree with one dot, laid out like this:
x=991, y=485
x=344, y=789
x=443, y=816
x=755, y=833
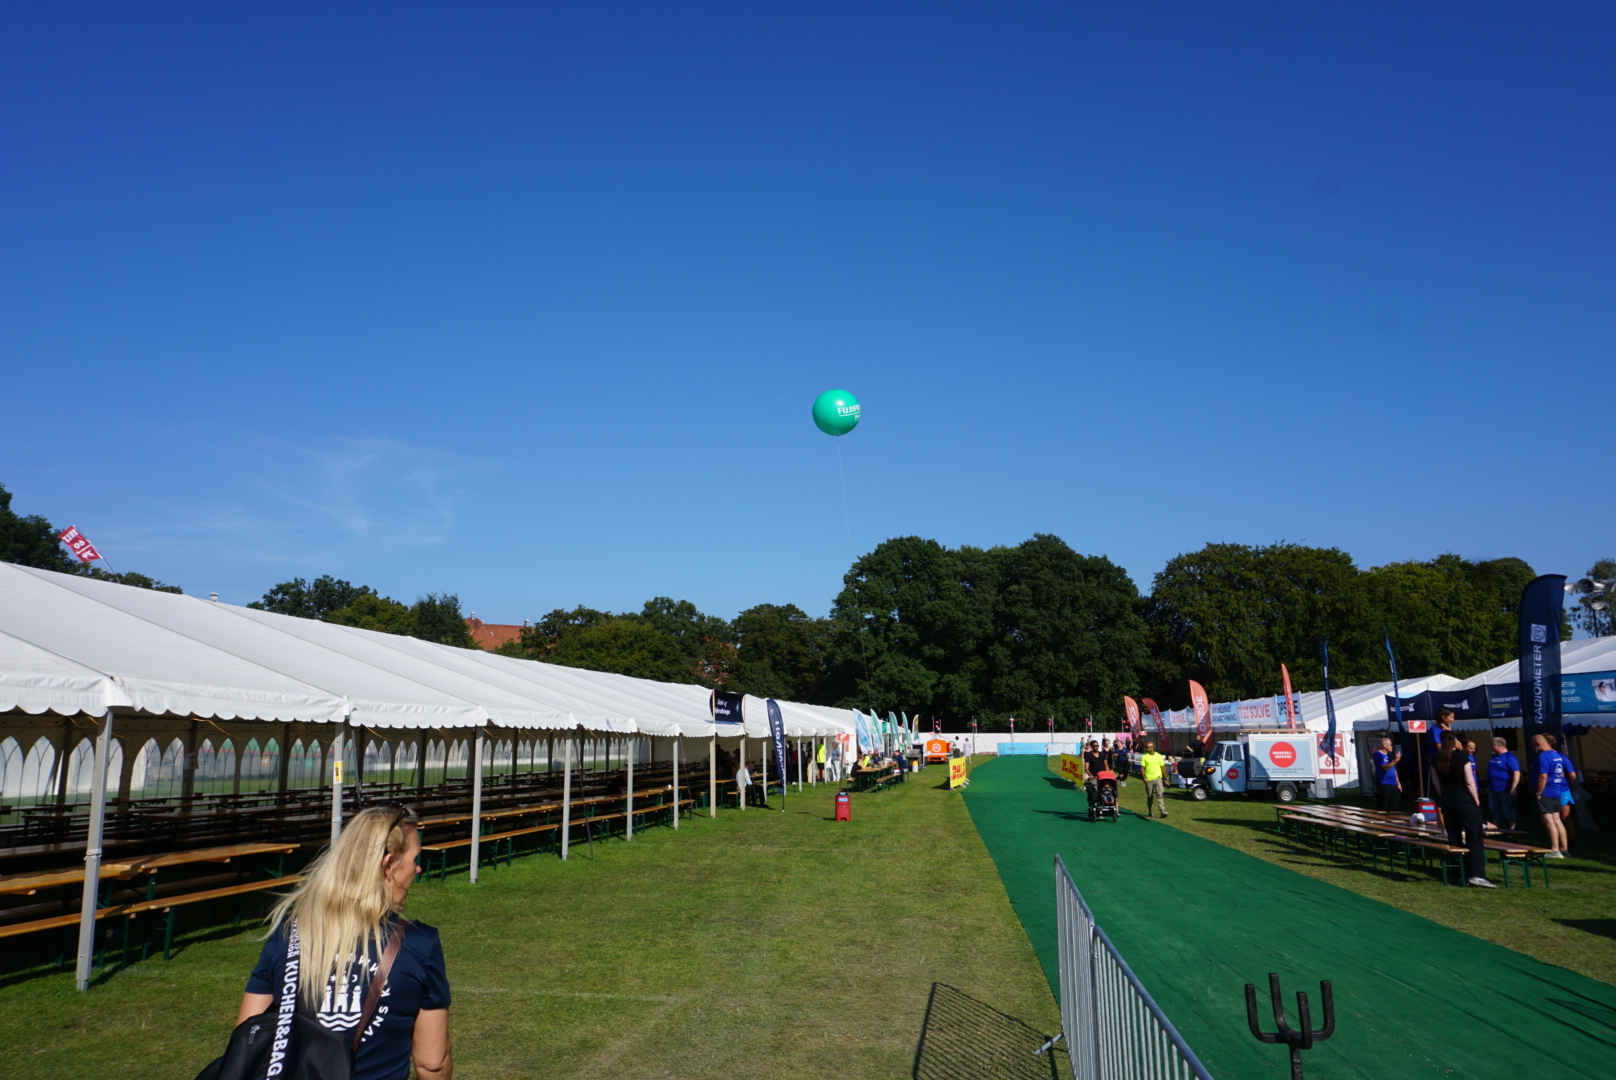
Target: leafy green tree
x=311, y=600
x=538, y=640
x=912, y=619
x=437, y=618
x=31, y=540
x=1446, y=615
x=1228, y=615
x=1068, y=641
x=625, y=646
x=371, y=612
x=781, y=652
x=706, y=640
x=130, y=577
x=1032, y=631
x=1595, y=611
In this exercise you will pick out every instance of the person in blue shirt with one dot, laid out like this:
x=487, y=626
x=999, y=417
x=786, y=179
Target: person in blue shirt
x=1388, y=785
x=1503, y=780
x=1554, y=778
x=342, y=923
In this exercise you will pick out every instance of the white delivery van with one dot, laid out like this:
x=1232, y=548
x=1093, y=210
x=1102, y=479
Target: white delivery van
x=1284, y=762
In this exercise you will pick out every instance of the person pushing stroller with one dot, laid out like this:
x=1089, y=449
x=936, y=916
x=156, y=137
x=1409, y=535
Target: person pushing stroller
x=1102, y=794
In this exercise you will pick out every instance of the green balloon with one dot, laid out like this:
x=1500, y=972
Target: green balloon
x=836, y=412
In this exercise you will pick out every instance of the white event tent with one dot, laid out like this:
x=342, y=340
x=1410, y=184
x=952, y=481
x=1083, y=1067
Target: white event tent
x=78, y=647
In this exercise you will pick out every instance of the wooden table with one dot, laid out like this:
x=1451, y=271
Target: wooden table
x=29, y=884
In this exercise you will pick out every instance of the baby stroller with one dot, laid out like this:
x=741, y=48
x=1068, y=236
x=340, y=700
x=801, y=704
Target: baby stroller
x=1102, y=793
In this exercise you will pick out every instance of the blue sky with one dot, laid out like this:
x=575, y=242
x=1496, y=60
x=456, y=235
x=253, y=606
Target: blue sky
x=530, y=303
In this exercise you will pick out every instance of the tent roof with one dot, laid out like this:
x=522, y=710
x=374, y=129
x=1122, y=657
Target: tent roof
x=1576, y=657
x=77, y=645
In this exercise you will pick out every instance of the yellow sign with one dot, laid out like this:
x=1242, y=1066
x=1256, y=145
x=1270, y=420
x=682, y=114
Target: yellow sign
x=1072, y=768
x=958, y=772
x=336, y=771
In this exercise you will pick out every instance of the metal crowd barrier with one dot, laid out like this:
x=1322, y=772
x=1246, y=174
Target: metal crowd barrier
x=1113, y=1029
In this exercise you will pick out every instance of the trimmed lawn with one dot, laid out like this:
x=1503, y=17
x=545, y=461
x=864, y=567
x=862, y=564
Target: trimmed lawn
x=758, y=945
x=1572, y=924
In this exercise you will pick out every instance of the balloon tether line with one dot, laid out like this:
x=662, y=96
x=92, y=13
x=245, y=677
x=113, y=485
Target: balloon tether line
x=847, y=520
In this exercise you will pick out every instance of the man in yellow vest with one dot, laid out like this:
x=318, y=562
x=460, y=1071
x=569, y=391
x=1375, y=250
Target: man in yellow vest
x=1153, y=771
x=819, y=759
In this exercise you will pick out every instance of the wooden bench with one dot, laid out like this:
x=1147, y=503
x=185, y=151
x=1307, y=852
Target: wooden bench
x=169, y=905
x=505, y=841
x=54, y=922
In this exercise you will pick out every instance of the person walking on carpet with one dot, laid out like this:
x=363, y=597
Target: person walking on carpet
x=1153, y=771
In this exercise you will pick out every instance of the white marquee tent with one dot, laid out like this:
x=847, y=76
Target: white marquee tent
x=75, y=646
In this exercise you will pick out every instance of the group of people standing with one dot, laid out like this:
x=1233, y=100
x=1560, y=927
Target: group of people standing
x=1470, y=801
x=1102, y=755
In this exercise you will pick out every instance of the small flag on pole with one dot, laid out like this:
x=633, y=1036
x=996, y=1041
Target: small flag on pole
x=79, y=544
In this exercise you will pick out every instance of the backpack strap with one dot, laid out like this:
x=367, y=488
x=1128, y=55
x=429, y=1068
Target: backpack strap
x=373, y=996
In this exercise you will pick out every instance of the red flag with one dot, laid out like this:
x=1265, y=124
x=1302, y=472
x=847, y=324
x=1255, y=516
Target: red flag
x=1156, y=717
x=1290, y=706
x=79, y=544
x=1203, y=714
x=1133, y=715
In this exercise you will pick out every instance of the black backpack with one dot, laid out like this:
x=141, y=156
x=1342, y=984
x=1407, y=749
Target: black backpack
x=285, y=1042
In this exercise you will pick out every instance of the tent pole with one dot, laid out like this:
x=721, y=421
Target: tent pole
x=126, y=773
x=712, y=777
x=628, y=764
x=477, y=805
x=283, y=764
x=739, y=788
x=62, y=758
x=678, y=744
x=92, y=852
x=566, y=793
x=187, y=770
x=336, y=783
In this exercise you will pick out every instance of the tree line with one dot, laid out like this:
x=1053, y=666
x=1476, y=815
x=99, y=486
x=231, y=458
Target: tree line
x=1033, y=631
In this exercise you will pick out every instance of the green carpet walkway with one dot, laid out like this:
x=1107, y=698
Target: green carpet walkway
x=1197, y=921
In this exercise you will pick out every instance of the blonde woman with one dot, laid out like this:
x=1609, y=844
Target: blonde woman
x=347, y=920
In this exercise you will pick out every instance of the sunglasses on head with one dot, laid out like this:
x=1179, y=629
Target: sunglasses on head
x=398, y=818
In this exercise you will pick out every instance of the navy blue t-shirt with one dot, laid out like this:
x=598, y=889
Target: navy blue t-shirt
x=418, y=981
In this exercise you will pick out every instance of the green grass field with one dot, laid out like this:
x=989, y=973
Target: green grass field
x=1572, y=924
x=758, y=945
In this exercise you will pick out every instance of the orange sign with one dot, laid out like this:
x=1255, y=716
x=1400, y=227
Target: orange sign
x=937, y=750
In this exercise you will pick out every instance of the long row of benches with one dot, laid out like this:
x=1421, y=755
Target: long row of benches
x=1350, y=830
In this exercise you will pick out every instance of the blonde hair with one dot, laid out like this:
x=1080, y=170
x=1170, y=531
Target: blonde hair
x=344, y=902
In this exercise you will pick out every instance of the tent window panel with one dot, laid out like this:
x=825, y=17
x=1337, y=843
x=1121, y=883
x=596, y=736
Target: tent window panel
x=12, y=758
x=305, y=767
x=378, y=762
x=38, y=773
x=80, y=769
